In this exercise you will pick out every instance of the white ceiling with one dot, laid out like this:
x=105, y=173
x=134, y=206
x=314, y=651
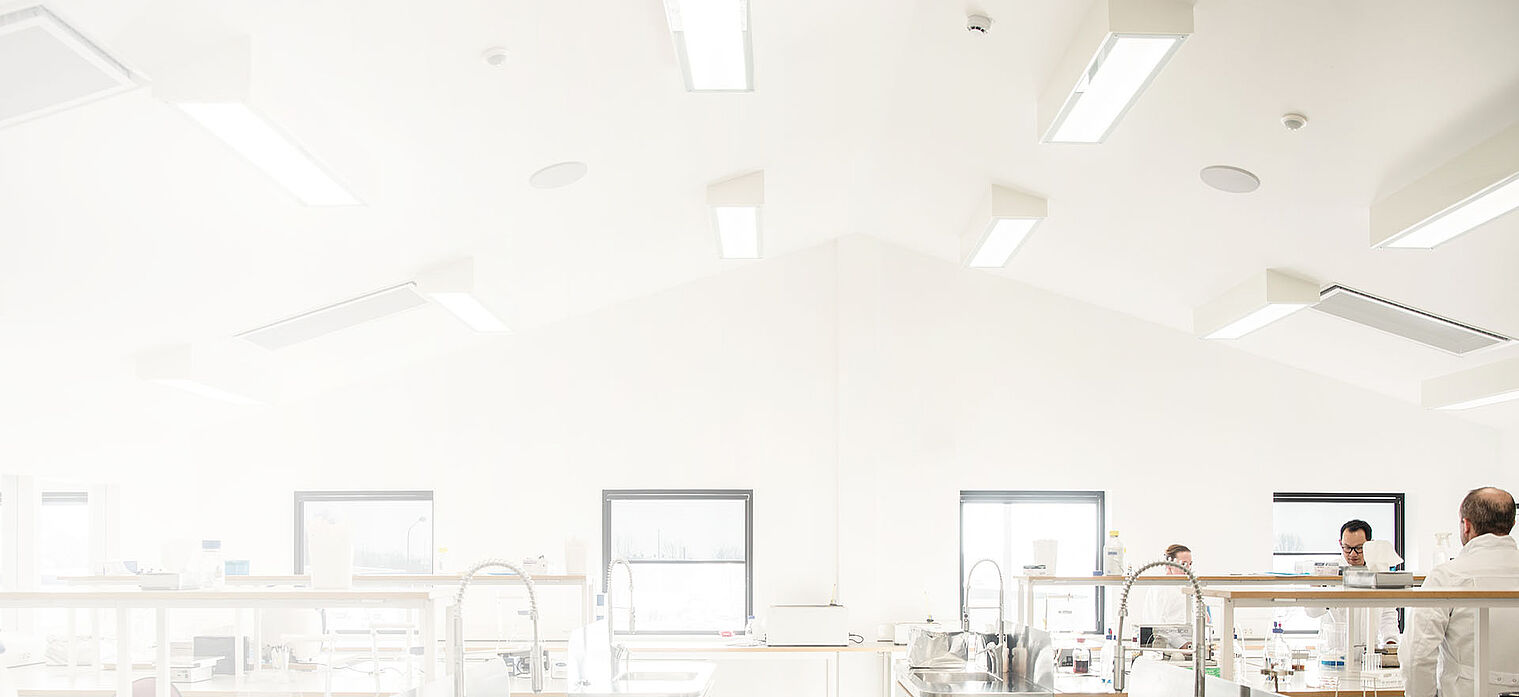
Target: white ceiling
x=126, y=226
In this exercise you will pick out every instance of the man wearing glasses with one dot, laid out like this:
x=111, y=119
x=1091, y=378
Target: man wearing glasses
x=1332, y=621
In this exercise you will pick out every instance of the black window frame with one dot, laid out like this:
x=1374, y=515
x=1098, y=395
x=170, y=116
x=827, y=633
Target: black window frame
x=302, y=497
x=1397, y=499
x=1041, y=496
x=746, y=495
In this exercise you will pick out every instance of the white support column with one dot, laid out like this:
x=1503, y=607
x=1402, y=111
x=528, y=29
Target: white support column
x=239, y=646
x=429, y=612
x=1225, y=634
x=161, y=661
x=1483, y=660
x=123, y=652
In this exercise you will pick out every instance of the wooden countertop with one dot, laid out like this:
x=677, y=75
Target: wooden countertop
x=362, y=579
x=232, y=598
x=1330, y=594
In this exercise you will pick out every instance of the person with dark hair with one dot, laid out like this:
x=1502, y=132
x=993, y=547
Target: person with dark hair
x=1353, y=537
x=1172, y=605
x=1444, y=637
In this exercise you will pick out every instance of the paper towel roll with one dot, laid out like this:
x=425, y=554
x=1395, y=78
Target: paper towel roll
x=1380, y=555
x=1045, y=552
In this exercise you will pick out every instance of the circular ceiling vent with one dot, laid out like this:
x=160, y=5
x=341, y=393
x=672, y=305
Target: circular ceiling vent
x=557, y=175
x=1231, y=179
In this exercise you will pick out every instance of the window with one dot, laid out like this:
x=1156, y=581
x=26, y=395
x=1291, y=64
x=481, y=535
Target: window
x=1002, y=526
x=392, y=531
x=692, y=557
x=63, y=535
x=1307, y=529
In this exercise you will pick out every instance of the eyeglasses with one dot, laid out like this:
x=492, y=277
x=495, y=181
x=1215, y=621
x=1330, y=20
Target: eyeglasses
x=1353, y=550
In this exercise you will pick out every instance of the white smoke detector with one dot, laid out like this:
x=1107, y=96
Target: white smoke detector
x=978, y=24
x=1294, y=122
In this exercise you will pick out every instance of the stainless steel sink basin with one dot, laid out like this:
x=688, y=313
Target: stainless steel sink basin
x=663, y=677
x=950, y=683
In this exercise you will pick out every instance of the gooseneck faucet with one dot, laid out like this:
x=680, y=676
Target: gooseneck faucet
x=613, y=650
x=456, y=624
x=1199, y=628
x=1001, y=664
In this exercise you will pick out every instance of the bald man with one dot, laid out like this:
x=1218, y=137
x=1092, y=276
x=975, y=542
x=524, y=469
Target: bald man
x=1443, y=636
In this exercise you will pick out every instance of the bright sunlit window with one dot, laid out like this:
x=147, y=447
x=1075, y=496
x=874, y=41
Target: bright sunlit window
x=691, y=556
x=1307, y=529
x=63, y=535
x=392, y=531
x=1002, y=526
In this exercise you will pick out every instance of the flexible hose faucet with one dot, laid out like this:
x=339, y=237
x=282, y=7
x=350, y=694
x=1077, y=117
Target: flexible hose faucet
x=1000, y=660
x=1199, y=628
x=606, y=587
x=456, y=624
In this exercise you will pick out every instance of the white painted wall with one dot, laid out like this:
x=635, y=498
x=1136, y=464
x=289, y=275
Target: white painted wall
x=857, y=387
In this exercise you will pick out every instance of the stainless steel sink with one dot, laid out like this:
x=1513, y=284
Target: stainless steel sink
x=946, y=683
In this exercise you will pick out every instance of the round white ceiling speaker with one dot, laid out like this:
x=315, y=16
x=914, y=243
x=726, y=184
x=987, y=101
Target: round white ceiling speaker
x=494, y=57
x=1294, y=122
x=1231, y=179
x=557, y=175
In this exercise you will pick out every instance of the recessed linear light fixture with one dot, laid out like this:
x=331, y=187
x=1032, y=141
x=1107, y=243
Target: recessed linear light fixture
x=1410, y=323
x=713, y=44
x=1477, y=387
x=1003, y=222
x=1457, y=197
x=735, y=205
x=223, y=375
x=342, y=315
x=215, y=91
x=1116, y=53
x=51, y=67
x=452, y=285
x=1262, y=299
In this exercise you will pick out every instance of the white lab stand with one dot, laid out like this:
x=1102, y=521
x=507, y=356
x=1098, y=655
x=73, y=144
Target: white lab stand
x=1483, y=600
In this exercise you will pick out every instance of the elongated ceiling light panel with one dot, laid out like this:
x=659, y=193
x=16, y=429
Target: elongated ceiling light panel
x=1119, y=49
x=1255, y=303
x=46, y=67
x=215, y=372
x=215, y=91
x=735, y=205
x=1461, y=195
x=712, y=43
x=1003, y=222
x=1477, y=387
x=342, y=315
x=452, y=286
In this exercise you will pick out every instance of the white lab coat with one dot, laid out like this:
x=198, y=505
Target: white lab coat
x=1169, y=605
x=1443, y=636
x=1333, y=619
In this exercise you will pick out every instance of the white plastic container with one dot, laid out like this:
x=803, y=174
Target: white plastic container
x=1112, y=555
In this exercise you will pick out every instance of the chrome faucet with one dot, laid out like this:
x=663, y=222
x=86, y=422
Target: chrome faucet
x=618, y=653
x=1199, y=628
x=456, y=624
x=999, y=659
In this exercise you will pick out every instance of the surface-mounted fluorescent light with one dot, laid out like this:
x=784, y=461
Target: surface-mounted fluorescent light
x=452, y=286
x=1255, y=303
x=1001, y=224
x=260, y=143
x=215, y=89
x=735, y=205
x=335, y=317
x=1477, y=387
x=1458, y=196
x=712, y=43
x=210, y=391
x=737, y=231
x=1116, y=53
x=217, y=372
